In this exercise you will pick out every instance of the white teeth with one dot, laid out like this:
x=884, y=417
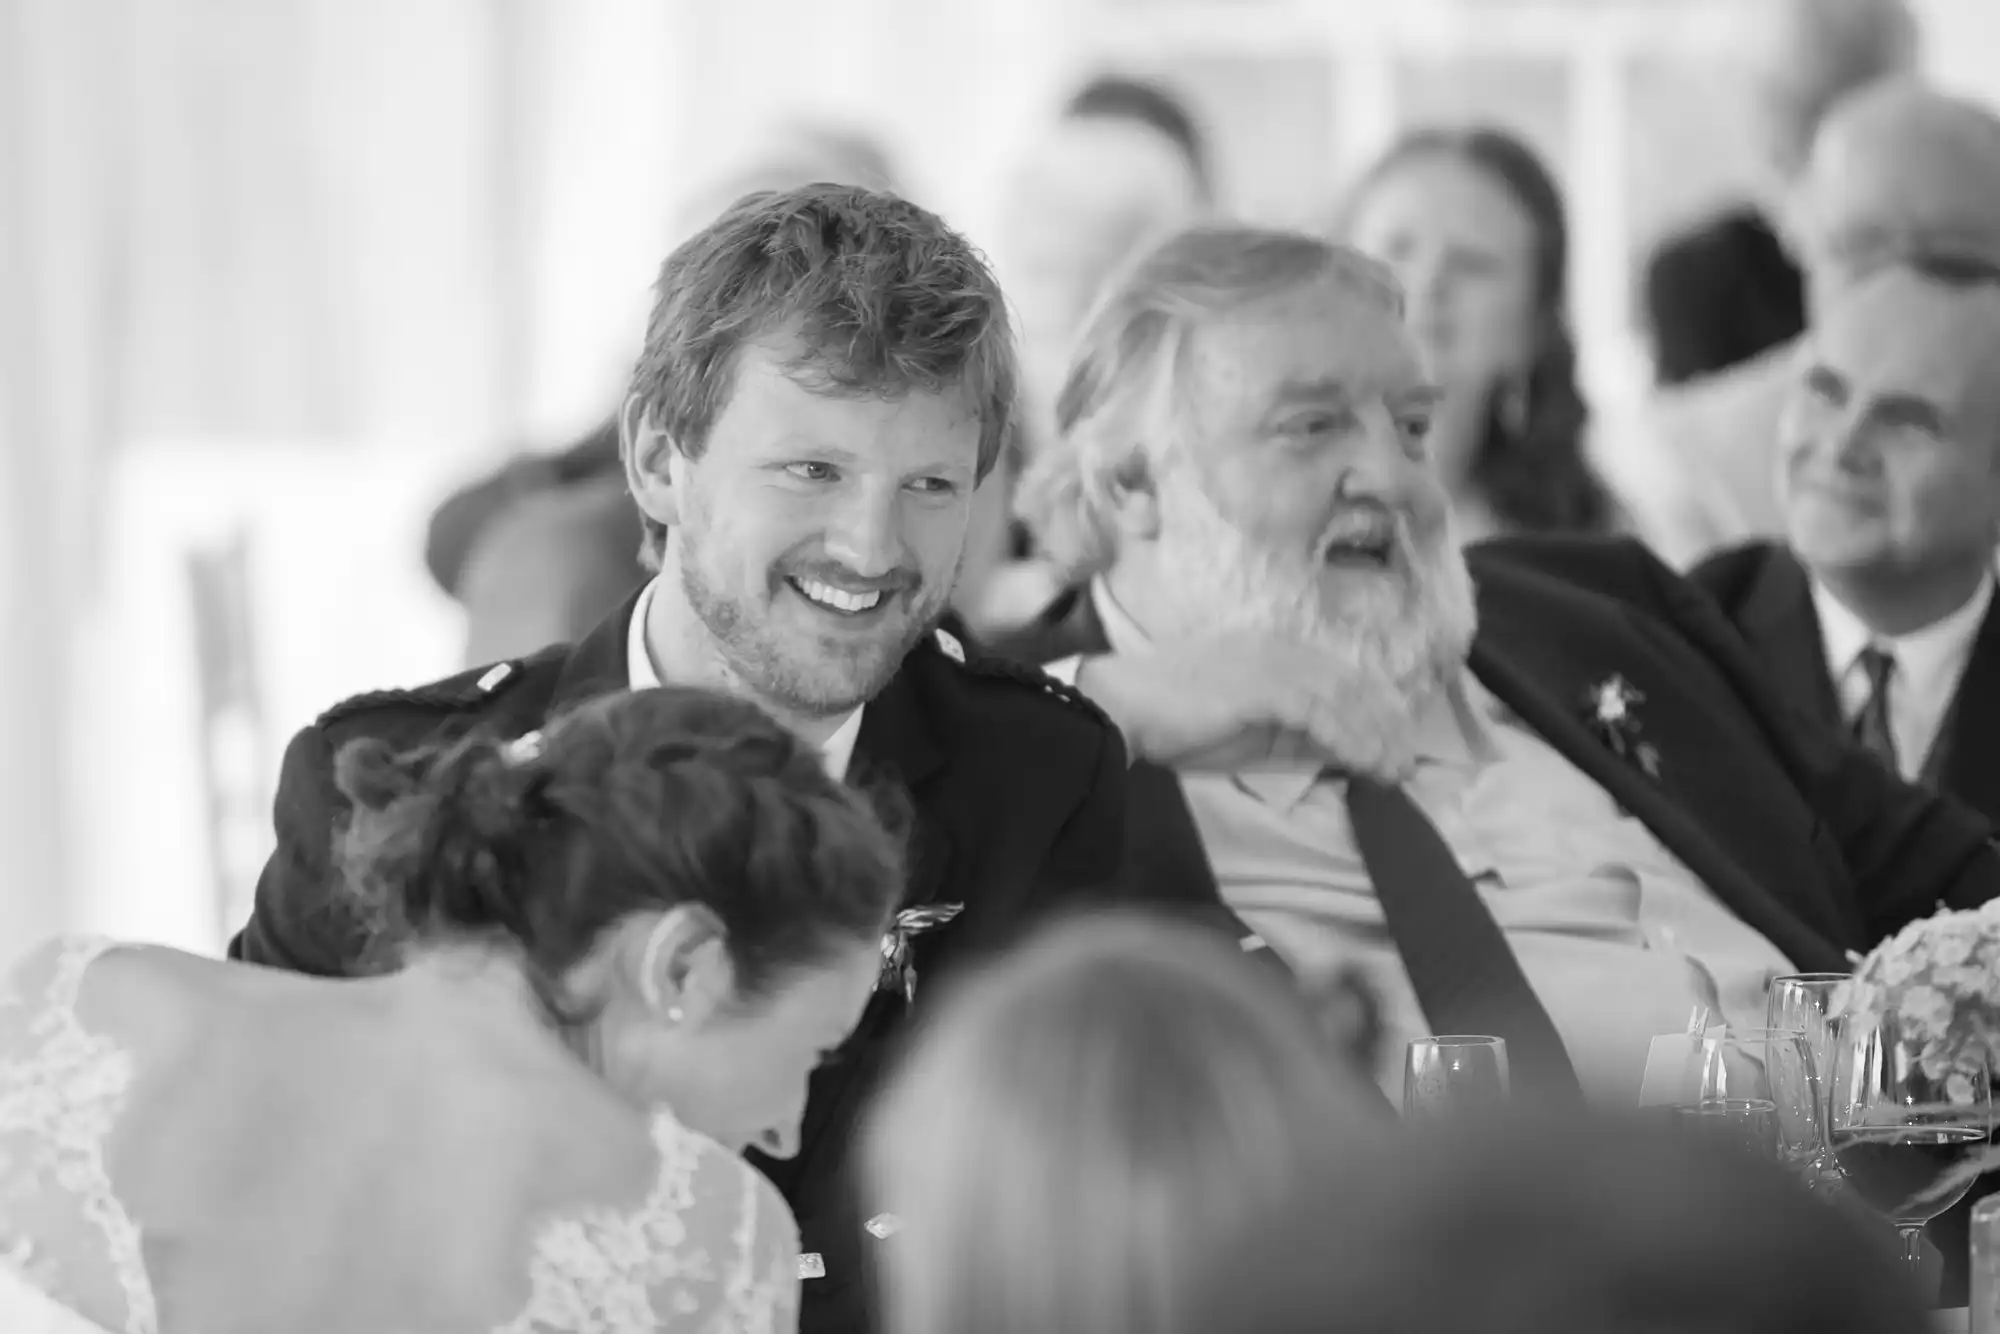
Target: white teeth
x=828, y=596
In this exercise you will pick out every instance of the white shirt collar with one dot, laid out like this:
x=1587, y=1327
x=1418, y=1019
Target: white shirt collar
x=1939, y=650
x=1930, y=663
x=642, y=674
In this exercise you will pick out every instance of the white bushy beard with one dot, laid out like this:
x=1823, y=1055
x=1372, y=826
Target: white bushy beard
x=1393, y=642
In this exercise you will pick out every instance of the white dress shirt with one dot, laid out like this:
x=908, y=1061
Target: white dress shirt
x=1929, y=665
x=1617, y=938
x=641, y=673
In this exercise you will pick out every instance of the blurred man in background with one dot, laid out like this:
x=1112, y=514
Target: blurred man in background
x=1726, y=291
x=1898, y=173
x=1124, y=162
x=548, y=546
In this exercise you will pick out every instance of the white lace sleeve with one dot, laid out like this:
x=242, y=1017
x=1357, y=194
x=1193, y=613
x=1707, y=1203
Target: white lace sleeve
x=62, y=1228
x=712, y=1250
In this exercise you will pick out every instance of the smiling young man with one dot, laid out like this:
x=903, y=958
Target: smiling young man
x=828, y=374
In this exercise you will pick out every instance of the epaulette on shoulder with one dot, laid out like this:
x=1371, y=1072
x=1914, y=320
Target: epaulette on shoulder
x=450, y=695
x=1006, y=669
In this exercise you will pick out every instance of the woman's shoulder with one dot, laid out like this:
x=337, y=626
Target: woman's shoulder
x=712, y=1243
x=142, y=991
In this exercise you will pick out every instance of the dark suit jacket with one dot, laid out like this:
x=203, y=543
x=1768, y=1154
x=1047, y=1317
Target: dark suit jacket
x=1018, y=793
x=1762, y=588
x=1720, y=294
x=1806, y=837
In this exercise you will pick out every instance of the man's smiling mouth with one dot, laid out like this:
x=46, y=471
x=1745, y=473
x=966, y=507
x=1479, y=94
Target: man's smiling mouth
x=828, y=598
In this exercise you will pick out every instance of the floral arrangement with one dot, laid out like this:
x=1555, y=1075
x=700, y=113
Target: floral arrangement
x=1940, y=977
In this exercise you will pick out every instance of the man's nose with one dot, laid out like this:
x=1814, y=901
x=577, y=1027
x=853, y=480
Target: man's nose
x=1849, y=446
x=866, y=533
x=1386, y=458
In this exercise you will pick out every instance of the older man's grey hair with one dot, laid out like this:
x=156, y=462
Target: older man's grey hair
x=1121, y=415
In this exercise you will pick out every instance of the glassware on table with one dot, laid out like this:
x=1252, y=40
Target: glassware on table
x=1755, y=1090
x=1983, y=1311
x=1454, y=1076
x=1901, y=1132
x=1804, y=1002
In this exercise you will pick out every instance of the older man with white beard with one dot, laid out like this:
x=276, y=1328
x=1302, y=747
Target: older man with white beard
x=1540, y=790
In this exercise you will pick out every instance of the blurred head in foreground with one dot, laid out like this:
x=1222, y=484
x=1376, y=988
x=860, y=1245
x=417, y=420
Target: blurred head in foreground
x=1091, y=1116
x=1529, y=1228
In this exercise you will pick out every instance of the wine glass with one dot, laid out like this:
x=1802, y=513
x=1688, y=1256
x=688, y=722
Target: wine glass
x=1453, y=1076
x=1755, y=1090
x=1803, y=1002
x=1903, y=1132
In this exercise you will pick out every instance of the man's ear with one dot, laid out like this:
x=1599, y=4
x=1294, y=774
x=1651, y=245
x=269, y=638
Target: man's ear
x=1132, y=496
x=648, y=454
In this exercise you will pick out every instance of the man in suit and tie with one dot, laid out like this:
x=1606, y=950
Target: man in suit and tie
x=1543, y=789
x=1877, y=613
x=828, y=372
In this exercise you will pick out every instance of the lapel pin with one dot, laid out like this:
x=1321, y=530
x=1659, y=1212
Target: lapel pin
x=811, y=1266
x=1611, y=707
x=884, y=1226
x=899, y=965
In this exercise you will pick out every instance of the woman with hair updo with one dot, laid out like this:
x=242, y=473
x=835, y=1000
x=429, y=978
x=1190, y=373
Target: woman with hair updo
x=1473, y=225
x=611, y=956
x=1088, y=1119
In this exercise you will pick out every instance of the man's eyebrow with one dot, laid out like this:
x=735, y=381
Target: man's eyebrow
x=1416, y=396
x=1324, y=390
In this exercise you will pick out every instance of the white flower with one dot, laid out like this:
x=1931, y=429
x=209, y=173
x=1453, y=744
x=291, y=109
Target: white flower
x=1941, y=977
x=1924, y=1008
x=1951, y=947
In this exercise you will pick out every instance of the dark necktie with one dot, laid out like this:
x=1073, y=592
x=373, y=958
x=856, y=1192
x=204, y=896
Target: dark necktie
x=1871, y=725
x=1465, y=974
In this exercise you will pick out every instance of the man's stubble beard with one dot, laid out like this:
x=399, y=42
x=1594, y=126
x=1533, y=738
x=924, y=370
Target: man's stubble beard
x=791, y=673
x=1393, y=644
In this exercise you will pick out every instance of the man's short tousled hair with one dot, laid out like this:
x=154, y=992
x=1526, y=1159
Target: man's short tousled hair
x=1113, y=414
x=881, y=297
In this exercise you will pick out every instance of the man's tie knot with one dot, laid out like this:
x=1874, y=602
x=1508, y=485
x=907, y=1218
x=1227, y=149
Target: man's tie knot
x=1871, y=725
x=1878, y=664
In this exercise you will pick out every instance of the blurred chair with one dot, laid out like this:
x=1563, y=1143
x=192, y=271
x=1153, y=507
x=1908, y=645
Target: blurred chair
x=235, y=740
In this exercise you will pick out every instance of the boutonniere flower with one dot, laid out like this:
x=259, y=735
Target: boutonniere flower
x=1611, y=707
x=899, y=964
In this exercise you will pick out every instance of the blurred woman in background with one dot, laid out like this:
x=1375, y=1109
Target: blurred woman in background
x=1475, y=229
x=1087, y=1119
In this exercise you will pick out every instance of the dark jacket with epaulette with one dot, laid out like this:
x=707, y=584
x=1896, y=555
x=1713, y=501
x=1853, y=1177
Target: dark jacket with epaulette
x=1016, y=786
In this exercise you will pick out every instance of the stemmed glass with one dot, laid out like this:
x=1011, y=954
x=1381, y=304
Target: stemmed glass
x=1803, y=1003
x=1755, y=1089
x=1907, y=1136
x=1454, y=1076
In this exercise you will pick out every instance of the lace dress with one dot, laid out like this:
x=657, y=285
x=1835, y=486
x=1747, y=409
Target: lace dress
x=712, y=1248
